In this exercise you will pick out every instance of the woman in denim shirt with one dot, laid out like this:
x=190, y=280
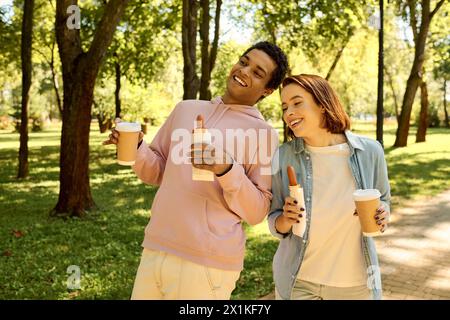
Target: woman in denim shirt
x=333, y=260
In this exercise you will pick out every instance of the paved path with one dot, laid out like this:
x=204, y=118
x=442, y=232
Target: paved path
x=415, y=251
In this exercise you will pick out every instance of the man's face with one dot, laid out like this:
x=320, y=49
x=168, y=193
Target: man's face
x=248, y=78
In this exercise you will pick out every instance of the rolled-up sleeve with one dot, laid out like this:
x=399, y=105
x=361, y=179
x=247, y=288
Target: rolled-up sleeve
x=381, y=179
x=276, y=208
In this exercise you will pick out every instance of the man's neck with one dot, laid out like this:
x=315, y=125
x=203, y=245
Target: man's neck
x=227, y=99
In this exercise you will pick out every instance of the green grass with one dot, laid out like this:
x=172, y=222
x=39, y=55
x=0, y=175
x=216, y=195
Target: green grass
x=106, y=244
x=419, y=170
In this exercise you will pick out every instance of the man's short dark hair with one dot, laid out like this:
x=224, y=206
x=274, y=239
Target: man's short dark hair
x=278, y=56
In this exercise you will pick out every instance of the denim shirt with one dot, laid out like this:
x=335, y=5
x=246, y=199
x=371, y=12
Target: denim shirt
x=368, y=167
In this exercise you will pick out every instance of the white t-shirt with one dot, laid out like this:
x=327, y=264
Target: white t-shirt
x=334, y=255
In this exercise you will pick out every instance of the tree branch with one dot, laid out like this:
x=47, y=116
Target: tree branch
x=438, y=6
x=105, y=31
x=413, y=18
x=43, y=55
x=338, y=56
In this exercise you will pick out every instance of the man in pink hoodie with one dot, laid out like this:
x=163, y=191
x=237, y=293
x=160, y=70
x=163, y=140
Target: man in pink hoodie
x=194, y=243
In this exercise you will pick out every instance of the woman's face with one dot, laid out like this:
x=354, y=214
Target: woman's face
x=301, y=114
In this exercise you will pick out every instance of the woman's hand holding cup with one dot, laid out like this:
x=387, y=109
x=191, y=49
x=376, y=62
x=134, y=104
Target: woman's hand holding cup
x=381, y=217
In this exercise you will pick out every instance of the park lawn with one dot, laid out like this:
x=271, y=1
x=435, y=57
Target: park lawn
x=35, y=251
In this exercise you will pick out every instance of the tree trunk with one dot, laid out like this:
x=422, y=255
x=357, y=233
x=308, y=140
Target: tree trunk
x=405, y=114
x=394, y=94
x=208, y=57
x=204, y=37
x=117, y=91
x=415, y=77
x=80, y=70
x=103, y=124
x=380, y=86
x=423, y=118
x=445, y=105
x=26, y=42
x=189, y=45
x=215, y=44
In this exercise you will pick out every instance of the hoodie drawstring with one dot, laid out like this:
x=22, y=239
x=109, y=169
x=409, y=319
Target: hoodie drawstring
x=220, y=116
x=225, y=109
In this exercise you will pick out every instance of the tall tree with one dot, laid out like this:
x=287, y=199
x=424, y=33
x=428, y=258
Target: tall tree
x=190, y=19
x=80, y=70
x=393, y=92
x=380, y=95
x=25, y=54
x=442, y=72
x=45, y=40
x=423, y=115
x=397, y=50
x=441, y=59
x=134, y=55
x=118, y=74
x=445, y=104
x=189, y=44
x=424, y=14
x=209, y=55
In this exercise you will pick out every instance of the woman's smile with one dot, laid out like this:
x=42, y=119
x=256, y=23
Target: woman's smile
x=293, y=124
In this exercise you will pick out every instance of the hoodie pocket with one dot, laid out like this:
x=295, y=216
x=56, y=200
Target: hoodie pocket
x=225, y=230
x=179, y=219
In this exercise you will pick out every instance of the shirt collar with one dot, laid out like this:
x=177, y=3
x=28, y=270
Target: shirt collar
x=352, y=139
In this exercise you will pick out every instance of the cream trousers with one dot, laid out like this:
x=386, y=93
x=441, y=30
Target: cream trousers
x=164, y=276
x=304, y=290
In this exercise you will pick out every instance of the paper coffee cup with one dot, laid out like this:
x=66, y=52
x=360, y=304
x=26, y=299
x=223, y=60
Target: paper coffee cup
x=128, y=141
x=367, y=202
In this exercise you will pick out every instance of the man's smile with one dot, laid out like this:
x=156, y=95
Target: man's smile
x=240, y=81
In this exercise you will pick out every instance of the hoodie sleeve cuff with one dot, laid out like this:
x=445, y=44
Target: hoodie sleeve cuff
x=273, y=230
x=142, y=151
x=386, y=206
x=231, y=181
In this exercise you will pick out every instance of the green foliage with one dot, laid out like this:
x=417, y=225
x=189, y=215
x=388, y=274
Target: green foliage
x=318, y=27
x=154, y=101
x=227, y=55
x=144, y=40
x=143, y=46
x=10, y=28
x=9, y=62
x=440, y=44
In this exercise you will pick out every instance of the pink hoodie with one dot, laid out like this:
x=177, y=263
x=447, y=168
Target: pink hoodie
x=201, y=221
